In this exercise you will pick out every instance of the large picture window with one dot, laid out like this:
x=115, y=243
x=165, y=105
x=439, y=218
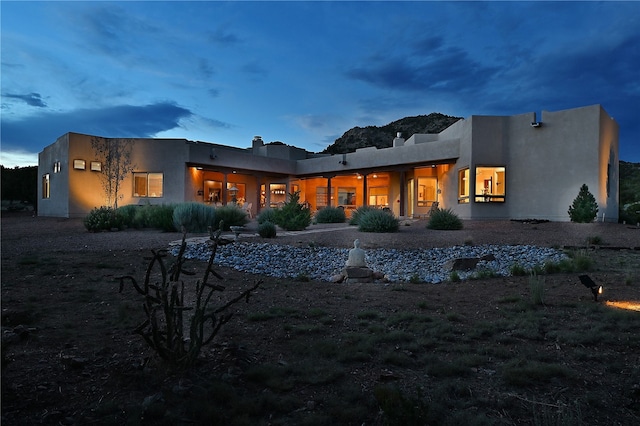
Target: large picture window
x=379, y=196
x=147, y=184
x=463, y=186
x=46, y=186
x=347, y=197
x=427, y=191
x=321, y=197
x=278, y=194
x=236, y=193
x=490, y=185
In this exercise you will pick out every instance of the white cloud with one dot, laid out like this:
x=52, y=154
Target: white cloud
x=18, y=158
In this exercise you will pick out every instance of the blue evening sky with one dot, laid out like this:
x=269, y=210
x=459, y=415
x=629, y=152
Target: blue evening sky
x=304, y=72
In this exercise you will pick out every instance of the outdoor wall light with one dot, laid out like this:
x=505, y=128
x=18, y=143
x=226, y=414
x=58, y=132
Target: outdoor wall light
x=595, y=288
x=536, y=124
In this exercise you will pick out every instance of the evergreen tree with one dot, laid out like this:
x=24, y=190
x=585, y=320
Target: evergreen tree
x=585, y=207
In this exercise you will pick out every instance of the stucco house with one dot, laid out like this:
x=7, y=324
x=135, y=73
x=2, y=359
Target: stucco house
x=481, y=167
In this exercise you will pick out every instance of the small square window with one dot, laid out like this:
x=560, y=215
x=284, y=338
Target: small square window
x=56, y=167
x=79, y=164
x=96, y=166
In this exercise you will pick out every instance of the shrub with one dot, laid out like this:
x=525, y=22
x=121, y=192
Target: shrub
x=128, y=214
x=630, y=213
x=103, y=219
x=536, y=284
x=584, y=208
x=232, y=215
x=161, y=217
x=331, y=215
x=518, y=270
x=175, y=330
x=267, y=215
x=357, y=214
x=267, y=230
x=444, y=219
x=194, y=217
x=293, y=216
x=150, y=216
x=378, y=221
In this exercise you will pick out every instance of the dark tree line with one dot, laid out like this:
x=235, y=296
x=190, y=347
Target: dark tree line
x=20, y=184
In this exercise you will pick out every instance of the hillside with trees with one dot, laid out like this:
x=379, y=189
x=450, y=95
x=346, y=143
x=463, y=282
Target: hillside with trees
x=382, y=137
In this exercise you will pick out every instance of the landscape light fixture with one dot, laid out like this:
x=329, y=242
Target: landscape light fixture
x=595, y=288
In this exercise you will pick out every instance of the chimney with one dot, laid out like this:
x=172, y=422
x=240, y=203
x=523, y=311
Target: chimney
x=257, y=142
x=398, y=140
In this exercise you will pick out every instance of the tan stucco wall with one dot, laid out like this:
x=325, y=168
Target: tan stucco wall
x=545, y=167
x=58, y=204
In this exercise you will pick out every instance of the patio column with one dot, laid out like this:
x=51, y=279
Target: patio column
x=365, y=198
x=224, y=196
x=402, y=194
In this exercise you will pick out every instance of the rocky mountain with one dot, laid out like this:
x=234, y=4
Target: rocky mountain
x=382, y=137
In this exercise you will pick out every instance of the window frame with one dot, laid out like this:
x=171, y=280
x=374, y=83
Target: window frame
x=422, y=200
x=347, y=193
x=145, y=176
x=378, y=196
x=79, y=164
x=46, y=186
x=322, y=197
x=464, y=186
x=487, y=184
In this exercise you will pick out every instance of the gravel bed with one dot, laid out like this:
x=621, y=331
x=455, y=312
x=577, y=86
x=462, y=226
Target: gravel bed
x=397, y=265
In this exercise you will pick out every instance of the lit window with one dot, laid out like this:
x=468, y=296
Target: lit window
x=56, y=167
x=236, y=193
x=46, y=186
x=347, y=197
x=278, y=194
x=490, y=185
x=321, y=197
x=463, y=186
x=79, y=164
x=379, y=196
x=213, y=191
x=427, y=191
x=148, y=185
x=96, y=166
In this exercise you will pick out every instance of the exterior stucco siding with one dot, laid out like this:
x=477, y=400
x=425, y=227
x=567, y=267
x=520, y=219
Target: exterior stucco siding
x=544, y=167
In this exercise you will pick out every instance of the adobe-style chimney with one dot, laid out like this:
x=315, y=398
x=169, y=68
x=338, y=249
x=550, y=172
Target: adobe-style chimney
x=398, y=140
x=257, y=142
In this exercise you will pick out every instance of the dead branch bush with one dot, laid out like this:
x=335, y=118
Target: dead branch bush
x=175, y=341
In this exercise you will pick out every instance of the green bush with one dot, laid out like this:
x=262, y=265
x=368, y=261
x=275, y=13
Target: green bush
x=267, y=230
x=161, y=217
x=194, y=217
x=142, y=218
x=267, y=215
x=584, y=208
x=331, y=215
x=630, y=213
x=357, y=214
x=128, y=214
x=378, y=221
x=103, y=219
x=293, y=216
x=444, y=219
x=231, y=215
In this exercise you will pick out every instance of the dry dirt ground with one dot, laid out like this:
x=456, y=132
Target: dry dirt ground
x=471, y=352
